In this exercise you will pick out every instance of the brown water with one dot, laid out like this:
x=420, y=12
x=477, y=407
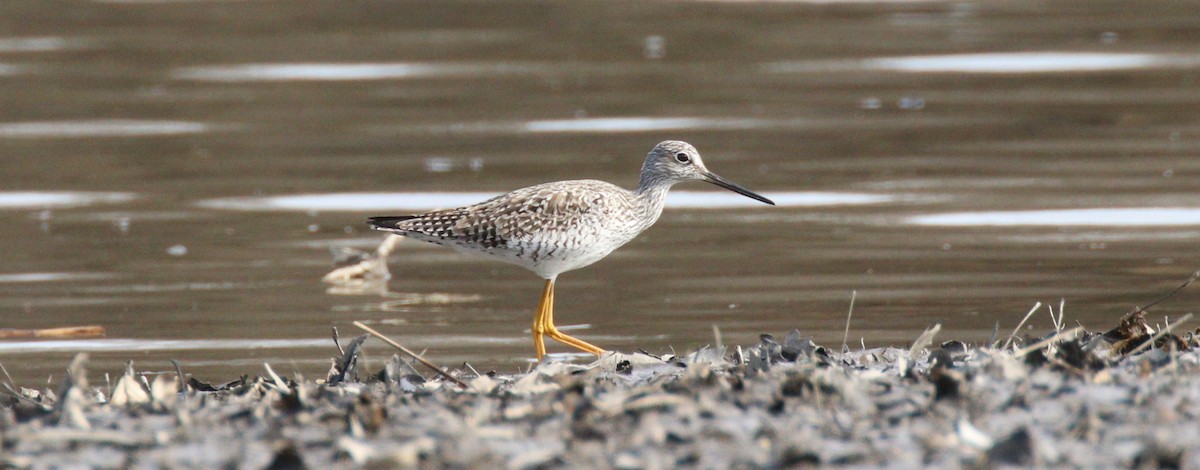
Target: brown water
x=168, y=108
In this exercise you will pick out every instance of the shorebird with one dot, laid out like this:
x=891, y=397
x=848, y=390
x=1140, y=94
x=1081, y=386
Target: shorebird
x=553, y=228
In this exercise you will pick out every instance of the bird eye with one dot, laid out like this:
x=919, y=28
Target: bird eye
x=682, y=157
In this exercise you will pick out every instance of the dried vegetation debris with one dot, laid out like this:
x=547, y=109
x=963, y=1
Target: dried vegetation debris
x=1069, y=399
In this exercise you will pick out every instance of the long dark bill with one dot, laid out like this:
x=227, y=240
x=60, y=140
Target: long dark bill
x=724, y=183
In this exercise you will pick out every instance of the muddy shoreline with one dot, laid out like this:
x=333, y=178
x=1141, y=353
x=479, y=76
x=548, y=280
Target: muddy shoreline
x=1125, y=397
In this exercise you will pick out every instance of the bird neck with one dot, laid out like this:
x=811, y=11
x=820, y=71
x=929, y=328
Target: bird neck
x=652, y=198
x=653, y=183
x=654, y=189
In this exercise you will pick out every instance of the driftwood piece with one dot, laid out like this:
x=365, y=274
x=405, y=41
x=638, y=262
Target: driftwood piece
x=88, y=331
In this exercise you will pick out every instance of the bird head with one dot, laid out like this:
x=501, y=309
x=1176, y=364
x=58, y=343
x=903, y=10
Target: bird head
x=675, y=161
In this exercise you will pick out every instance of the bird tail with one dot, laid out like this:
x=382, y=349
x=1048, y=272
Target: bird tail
x=389, y=223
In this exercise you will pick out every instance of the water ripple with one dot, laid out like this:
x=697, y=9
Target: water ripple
x=1030, y=62
x=1113, y=217
x=48, y=199
x=642, y=124
x=270, y=72
x=605, y=125
x=100, y=345
x=1003, y=62
x=37, y=44
x=100, y=128
x=424, y=201
x=51, y=277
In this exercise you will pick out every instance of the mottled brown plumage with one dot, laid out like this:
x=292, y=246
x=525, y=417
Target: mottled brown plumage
x=549, y=228
x=556, y=227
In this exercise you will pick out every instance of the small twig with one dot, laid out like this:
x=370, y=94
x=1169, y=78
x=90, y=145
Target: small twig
x=1062, y=310
x=1160, y=334
x=1057, y=321
x=179, y=374
x=18, y=396
x=717, y=337
x=1069, y=334
x=849, y=314
x=1195, y=275
x=1008, y=342
x=279, y=383
x=414, y=355
x=341, y=352
x=9, y=377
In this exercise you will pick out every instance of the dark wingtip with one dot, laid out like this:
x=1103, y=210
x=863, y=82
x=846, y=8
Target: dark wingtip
x=387, y=222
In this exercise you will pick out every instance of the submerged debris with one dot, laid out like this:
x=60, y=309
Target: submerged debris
x=359, y=272
x=1075, y=399
x=73, y=332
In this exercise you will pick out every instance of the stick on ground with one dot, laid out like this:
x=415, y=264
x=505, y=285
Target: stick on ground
x=849, y=314
x=1060, y=336
x=414, y=355
x=1008, y=341
x=1195, y=275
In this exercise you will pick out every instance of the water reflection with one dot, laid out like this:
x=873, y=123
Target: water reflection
x=1029, y=62
x=401, y=302
x=421, y=201
x=1003, y=62
x=645, y=124
x=642, y=124
x=52, y=277
x=98, y=345
x=345, y=72
x=100, y=128
x=1122, y=217
x=890, y=133
x=346, y=201
x=51, y=199
x=37, y=44
x=181, y=287
x=57, y=302
x=605, y=125
x=723, y=200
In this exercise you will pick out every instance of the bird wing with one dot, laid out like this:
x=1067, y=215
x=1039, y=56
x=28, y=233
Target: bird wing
x=496, y=222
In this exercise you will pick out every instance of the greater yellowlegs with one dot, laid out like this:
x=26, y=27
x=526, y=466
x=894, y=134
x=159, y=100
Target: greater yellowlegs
x=556, y=227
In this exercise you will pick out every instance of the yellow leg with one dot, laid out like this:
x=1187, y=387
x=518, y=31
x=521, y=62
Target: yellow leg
x=539, y=320
x=543, y=324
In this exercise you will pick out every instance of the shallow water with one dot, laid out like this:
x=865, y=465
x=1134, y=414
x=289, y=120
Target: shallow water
x=178, y=172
